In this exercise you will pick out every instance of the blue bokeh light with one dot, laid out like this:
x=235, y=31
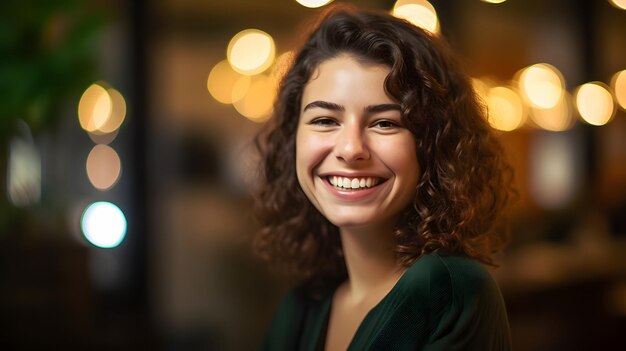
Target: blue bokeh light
x=104, y=224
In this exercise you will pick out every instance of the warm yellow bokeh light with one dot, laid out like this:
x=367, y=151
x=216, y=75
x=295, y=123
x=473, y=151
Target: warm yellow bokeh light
x=620, y=4
x=506, y=110
x=103, y=167
x=226, y=85
x=494, y=1
x=94, y=108
x=541, y=85
x=116, y=115
x=594, y=103
x=258, y=102
x=313, y=3
x=101, y=110
x=251, y=51
x=240, y=89
x=618, y=85
x=558, y=118
x=419, y=12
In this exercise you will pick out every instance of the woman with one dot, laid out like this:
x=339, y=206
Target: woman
x=381, y=187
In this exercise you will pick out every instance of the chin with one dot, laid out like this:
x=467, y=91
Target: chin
x=353, y=220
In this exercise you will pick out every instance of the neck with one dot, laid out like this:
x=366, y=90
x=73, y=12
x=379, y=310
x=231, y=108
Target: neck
x=370, y=260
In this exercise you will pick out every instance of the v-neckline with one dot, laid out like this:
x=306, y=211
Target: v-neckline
x=327, y=308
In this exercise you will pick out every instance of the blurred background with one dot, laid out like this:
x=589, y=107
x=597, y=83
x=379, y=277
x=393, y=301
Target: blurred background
x=125, y=165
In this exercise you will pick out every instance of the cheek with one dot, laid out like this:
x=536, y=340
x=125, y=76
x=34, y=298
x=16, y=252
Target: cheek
x=401, y=156
x=311, y=150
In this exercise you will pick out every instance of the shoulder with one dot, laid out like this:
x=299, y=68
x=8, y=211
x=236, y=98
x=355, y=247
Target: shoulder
x=457, y=276
x=465, y=307
x=450, y=287
x=467, y=276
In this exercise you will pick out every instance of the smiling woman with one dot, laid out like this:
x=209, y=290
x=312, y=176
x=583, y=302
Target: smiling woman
x=381, y=188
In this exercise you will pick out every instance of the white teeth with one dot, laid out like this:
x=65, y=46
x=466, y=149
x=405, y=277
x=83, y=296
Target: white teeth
x=353, y=183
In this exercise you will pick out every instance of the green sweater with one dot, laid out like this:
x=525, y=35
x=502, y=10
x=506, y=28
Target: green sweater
x=440, y=303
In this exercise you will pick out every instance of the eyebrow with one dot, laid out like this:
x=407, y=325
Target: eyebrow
x=325, y=105
x=335, y=107
x=383, y=108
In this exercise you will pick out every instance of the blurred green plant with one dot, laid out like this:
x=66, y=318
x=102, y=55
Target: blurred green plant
x=48, y=55
x=48, y=50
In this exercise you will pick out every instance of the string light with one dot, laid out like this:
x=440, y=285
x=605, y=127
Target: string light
x=618, y=85
x=620, y=4
x=104, y=224
x=258, y=102
x=225, y=84
x=94, y=107
x=313, y=3
x=506, y=110
x=419, y=12
x=558, y=118
x=103, y=167
x=251, y=51
x=541, y=85
x=595, y=103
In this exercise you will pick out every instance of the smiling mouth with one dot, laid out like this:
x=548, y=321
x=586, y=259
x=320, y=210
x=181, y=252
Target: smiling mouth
x=346, y=183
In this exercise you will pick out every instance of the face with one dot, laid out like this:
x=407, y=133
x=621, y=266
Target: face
x=355, y=160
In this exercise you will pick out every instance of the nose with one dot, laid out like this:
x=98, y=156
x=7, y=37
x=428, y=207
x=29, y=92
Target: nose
x=351, y=144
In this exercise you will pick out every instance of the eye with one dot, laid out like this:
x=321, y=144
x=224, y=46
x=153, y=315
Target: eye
x=386, y=124
x=323, y=122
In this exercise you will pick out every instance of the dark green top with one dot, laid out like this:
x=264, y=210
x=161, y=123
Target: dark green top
x=440, y=303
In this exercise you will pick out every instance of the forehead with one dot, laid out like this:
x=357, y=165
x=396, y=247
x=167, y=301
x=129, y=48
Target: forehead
x=345, y=80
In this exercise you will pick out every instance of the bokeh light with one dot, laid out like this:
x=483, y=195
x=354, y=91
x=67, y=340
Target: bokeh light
x=620, y=4
x=103, y=167
x=116, y=115
x=419, y=12
x=251, y=51
x=506, y=110
x=594, y=103
x=23, y=168
x=258, y=102
x=618, y=85
x=555, y=168
x=101, y=110
x=541, y=85
x=557, y=118
x=104, y=224
x=94, y=107
x=494, y=1
x=225, y=84
x=313, y=3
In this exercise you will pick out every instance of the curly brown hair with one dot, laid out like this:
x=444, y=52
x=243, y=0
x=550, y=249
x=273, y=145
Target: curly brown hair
x=465, y=182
